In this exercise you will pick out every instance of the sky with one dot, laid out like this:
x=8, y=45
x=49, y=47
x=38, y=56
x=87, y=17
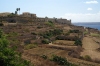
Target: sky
x=76, y=10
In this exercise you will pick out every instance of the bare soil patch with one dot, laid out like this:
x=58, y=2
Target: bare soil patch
x=64, y=42
x=90, y=47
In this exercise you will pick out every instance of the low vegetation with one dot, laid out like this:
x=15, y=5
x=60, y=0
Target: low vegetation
x=12, y=34
x=50, y=23
x=78, y=42
x=9, y=57
x=61, y=61
x=74, y=31
x=30, y=46
x=45, y=41
x=44, y=56
x=24, y=37
x=85, y=32
x=51, y=33
x=95, y=35
x=87, y=58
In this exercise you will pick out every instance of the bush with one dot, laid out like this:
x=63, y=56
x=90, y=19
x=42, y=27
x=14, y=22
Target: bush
x=60, y=37
x=85, y=32
x=61, y=61
x=49, y=23
x=87, y=57
x=44, y=56
x=39, y=27
x=74, y=31
x=68, y=33
x=78, y=42
x=30, y=46
x=51, y=33
x=57, y=31
x=45, y=41
x=8, y=57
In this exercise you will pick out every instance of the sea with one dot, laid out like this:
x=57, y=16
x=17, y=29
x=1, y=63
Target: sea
x=95, y=25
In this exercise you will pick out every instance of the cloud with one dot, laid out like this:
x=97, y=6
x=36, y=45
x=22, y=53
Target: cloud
x=81, y=17
x=89, y=9
x=92, y=2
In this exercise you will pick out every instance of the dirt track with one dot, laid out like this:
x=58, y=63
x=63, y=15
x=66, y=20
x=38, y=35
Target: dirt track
x=90, y=47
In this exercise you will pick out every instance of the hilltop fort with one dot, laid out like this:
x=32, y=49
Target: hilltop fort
x=9, y=18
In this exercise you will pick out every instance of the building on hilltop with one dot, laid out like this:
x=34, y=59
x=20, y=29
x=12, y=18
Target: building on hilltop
x=27, y=17
x=27, y=14
x=4, y=14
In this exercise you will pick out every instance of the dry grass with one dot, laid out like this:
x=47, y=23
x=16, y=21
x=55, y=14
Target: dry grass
x=38, y=61
x=34, y=56
x=64, y=42
x=95, y=35
x=61, y=49
x=97, y=60
x=90, y=47
x=30, y=46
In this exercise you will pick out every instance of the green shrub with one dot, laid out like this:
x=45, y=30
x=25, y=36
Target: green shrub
x=78, y=42
x=57, y=31
x=74, y=31
x=44, y=56
x=68, y=33
x=30, y=46
x=9, y=57
x=51, y=33
x=61, y=61
x=45, y=41
x=86, y=32
x=49, y=23
x=12, y=34
x=87, y=57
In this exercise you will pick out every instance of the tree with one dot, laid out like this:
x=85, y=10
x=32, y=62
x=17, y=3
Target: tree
x=19, y=10
x=15, y=12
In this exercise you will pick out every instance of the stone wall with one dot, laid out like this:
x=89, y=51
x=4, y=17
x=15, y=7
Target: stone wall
x=28, y=17
x=27, y=14
x=4, y=14
x=63, y=21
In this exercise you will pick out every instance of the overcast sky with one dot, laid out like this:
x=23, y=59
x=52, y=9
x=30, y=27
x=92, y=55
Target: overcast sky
x=76, y=10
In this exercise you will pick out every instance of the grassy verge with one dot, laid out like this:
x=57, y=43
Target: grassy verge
x=95, y=35
x=30, y=46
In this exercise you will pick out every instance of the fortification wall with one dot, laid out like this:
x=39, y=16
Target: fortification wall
x=28, y=17
x=63, y=21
